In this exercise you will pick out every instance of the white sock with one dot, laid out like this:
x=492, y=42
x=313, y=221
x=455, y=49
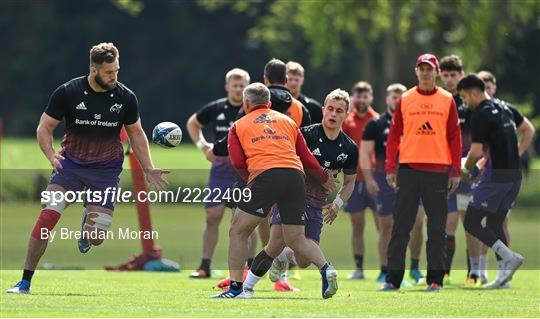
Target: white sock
x=483, y=265
x=502, y=250
x=501, y=269
x=475, y=265
x=251, y=280
x=289, y=253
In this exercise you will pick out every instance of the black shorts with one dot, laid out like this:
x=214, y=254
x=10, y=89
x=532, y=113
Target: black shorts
x=282, y=186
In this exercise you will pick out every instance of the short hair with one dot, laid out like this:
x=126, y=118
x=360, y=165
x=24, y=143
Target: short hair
x=276, y=71
x=451, y=63
x=361, y=87
x=295, y=68
x=103, y=52
x=396, y=87
x=471, y=81
x=237, y=73
x=487, y=76
x=338, y=95
x=257, y=93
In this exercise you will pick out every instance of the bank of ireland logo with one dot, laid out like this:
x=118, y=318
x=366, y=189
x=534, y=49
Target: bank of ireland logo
x=116, y=108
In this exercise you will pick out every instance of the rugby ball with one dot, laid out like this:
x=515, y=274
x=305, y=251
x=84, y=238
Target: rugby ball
x=167, y=134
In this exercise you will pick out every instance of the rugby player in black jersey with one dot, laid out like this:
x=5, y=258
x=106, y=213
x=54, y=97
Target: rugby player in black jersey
x=335, y=152
x=94, y=108
x=295, y=80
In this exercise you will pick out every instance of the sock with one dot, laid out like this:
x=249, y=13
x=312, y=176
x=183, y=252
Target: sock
x=483, y=264
x=468, y=261
x=414, y=263
x=249, y=262
x=502, y=250
x=236, y=285
x=251, y=280
x=289, y=254
x=205, y=265
x=384, y=269
x=27, y=275
x=261, y=264
x=475, y=266
x=359, y=261
x=450, y=250
x=324, y=268
x=500, y=273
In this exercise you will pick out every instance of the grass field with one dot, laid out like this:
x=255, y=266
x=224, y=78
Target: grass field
x=93, y=292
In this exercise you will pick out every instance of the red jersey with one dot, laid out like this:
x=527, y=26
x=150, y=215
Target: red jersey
x=354, y=128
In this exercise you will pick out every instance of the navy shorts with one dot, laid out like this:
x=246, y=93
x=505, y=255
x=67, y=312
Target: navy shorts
x=458, y=200
x=495, y=197
x=222, y=177
x=386, y=199
x=313, y=222
x=360, y=199
x=78, y=177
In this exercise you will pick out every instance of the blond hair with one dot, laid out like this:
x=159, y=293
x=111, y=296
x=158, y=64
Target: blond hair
x=237, y=73
x=338, y=95
x=396, y=87
x=295, y=68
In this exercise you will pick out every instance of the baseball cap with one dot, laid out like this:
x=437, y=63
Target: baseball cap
x=429, y=59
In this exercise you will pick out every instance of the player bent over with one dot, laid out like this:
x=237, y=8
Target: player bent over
x=493, y=131
x=268, y=150
x=95, y=107
x=335, y=152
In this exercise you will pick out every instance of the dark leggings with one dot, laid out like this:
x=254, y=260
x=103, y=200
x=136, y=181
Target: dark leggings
x=494, y=226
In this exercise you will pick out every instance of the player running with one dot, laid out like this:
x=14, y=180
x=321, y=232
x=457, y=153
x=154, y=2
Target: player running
x=493, y=131
x=361, y=113
x=94, y=107
x=373, y=145
x=220, y=115
x=335, y=152
x=269, y=152
x=295, y=81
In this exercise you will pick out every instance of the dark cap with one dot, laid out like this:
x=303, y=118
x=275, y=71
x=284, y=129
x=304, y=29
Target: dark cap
x=429, y=59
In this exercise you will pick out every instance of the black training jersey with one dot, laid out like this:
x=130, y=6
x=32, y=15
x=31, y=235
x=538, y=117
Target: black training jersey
x=93, y=120
x=494, y=125
x=220, y=114
x=377, y=130
x=314, y=108
x=336, y=155
x=464, y=115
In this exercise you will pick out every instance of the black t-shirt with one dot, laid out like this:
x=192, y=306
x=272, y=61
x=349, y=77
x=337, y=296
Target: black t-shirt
x=336, y=155
x=377, y=130
x=464, y=115
x=494, y=125
x=314, y=108
x=93, y=120
x=220, y=114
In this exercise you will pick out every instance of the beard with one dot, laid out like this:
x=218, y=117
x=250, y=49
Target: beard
x=103, y=84
x=361, y=107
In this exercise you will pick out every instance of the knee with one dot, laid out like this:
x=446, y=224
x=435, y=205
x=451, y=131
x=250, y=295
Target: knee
x=213, y=220
x=293, y=240
x=273, y=249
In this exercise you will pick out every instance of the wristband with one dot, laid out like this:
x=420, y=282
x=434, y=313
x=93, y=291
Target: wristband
x=200, y=145
x=338, y=201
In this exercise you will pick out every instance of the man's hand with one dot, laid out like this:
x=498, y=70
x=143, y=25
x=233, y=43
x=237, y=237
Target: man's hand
x=331, y=183
x=391, y=179
x=208, y=151
x=453, y=183
x=155, y=177
x=55, y=161
x=372, y=187
x=331, y=213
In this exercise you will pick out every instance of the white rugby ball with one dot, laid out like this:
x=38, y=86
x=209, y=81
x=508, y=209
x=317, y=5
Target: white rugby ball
x=167, y=134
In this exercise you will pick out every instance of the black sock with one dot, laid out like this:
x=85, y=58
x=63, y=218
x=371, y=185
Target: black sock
x=384, y=269
x=450, y=250
x=261, y=264
x=205, y=265
x=236, y=285
x=323, y=268
x=359, y=261
x=468, y=262
x=414, y=263
x=249, y=262
x=27, y=274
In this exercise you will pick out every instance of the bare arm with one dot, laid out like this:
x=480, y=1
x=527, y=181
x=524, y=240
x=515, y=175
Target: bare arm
x=348, y=186
x=526, y=130
x=194, y=128
x=44, y=134
x=367, y=148
x=344, y=194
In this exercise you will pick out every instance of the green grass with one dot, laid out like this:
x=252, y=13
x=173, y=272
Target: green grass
x=103, y=294
x=96, y=293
